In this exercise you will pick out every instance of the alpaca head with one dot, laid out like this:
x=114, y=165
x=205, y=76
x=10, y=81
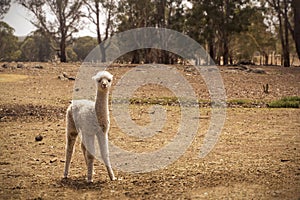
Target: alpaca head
x=103, y=80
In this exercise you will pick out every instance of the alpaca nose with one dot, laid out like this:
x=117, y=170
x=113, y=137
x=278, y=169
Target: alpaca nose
x=104, y=85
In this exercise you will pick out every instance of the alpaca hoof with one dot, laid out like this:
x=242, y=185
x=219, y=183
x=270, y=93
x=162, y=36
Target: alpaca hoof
x=113, y=179
x=64, y=180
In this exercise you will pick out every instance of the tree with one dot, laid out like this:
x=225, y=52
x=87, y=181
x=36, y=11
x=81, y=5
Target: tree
x=149, y=13
x=83, y=45
x=234, y=19
x=169, y=14
x=37, y=47
x=72, y=56
x=260, y=37
x=296, y=8
x=4, y=7
x=215, y=22
x=96, y=9
x=201, y=27
x=66, y=19
x=29, y=50
x=8, y=43
x=281, y=9
x=136, y=14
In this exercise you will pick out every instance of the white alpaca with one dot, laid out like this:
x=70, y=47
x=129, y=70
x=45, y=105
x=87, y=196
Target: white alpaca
x=92, y=121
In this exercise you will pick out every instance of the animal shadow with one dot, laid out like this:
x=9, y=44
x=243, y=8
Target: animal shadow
x=80, y=183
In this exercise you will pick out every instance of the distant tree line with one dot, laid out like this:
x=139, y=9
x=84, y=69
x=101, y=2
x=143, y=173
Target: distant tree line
x=230, y=30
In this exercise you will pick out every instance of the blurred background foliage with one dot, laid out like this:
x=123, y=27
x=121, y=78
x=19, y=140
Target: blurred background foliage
x=263, y=32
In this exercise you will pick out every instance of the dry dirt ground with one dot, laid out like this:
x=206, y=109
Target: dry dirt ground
x=257, y=155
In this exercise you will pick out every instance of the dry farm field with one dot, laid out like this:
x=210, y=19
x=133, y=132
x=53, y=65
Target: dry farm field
x=257, y=155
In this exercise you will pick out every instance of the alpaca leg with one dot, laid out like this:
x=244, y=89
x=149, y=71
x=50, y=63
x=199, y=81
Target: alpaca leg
x=88, y=148
x=90, y=166
x=71, y=139
x=103, y=141
x=71, y=135
x=84, y=152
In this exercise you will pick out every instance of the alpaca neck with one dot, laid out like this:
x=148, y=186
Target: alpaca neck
x=101, y=107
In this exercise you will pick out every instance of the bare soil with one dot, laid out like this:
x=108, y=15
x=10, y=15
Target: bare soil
x=257, y=155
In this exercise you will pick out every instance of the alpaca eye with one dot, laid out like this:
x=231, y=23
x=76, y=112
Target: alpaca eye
x=109, y=80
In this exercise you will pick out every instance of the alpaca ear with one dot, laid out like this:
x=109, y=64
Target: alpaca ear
x=95, y=78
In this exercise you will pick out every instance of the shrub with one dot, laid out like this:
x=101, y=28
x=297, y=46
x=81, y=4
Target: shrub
x=286, y=102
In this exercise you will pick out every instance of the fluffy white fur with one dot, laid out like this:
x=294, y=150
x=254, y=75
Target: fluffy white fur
x=92, y=122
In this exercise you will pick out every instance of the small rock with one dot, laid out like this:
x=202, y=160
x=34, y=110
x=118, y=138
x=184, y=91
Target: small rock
x=65, y=76
x=18, y=187
x=284, y=160
x=38, y=67
x=276, y=193
x=61, y=77
x=53, y=160
x=38, y=138
x=243, y=67
x=20, y=65
x=5, y=65
x=258, y=71
x=71, y=78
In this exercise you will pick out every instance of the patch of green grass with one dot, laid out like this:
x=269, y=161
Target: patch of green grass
x=160, y=101
x=240, y=101
x=171, y=101
x=286, y=102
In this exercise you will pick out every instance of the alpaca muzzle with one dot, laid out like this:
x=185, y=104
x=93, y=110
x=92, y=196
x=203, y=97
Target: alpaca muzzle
x=104, y=85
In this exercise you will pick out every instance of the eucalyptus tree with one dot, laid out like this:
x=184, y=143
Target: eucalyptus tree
x=59, y=19
x=4, y=7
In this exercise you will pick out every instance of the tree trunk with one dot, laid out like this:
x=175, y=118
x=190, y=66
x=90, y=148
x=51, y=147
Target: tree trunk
x=225, y=34
x=225, y=50
x=63, y=56
x=218, y=60
x=230, y=60
x=99, y=39
x=211, y=50
x=260, y=60
x=103, y=54
x=135, y=58
x=286, y=62
x=296, y=8
x=98, y=22
x=280, y=30
x=108, y=22
x=161, y=22
x=266, y=58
